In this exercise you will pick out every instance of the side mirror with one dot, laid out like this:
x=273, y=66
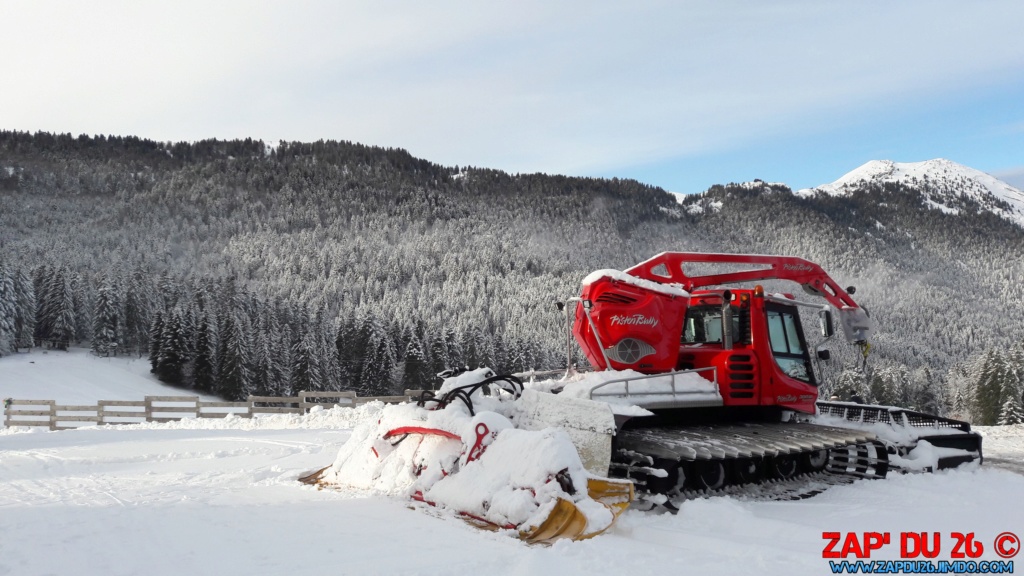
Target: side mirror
x=825, y=321
x=824, y=355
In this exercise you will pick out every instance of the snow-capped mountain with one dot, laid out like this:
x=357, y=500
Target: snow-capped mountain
x=944, y=184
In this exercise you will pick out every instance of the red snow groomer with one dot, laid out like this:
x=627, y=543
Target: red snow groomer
x=754, y=412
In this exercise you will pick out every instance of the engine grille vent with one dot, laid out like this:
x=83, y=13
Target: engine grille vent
x=615, y=298
x=629, y=351
x=741, y=375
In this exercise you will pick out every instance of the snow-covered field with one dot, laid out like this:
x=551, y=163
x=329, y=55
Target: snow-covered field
x=78, y=377
x=220, y=496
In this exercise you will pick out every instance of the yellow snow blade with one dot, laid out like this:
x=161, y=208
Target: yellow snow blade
x=314, y=478
x=566, y=520
x=615, y=494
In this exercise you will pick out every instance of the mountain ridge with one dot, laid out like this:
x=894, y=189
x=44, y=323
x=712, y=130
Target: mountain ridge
x=945, y=184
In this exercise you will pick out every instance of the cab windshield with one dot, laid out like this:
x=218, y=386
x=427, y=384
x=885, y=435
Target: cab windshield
x=703, y=325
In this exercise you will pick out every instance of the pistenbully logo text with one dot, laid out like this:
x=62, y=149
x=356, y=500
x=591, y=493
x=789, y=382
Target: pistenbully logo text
x=634, y=320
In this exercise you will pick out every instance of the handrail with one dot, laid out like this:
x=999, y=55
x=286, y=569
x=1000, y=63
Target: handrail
x=675, y=393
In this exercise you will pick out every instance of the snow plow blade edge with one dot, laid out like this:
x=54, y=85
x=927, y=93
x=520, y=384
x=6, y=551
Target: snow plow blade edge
x=566, y=521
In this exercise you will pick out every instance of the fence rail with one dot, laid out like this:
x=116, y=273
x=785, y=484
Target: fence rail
x=171, y=408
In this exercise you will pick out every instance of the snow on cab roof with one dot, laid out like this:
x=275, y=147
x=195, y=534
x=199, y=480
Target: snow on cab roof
x=620, y=276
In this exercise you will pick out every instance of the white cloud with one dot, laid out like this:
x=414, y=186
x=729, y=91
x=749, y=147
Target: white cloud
x=527, y=86
x=1012, y=176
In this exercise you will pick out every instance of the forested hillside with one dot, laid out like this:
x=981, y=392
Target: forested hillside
x=242, y=268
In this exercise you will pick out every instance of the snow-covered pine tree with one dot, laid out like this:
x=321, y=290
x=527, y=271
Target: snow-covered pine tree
x=62, y=320
x=484, y=348
x=281, y=346
x=306, y=373
x=175, y=355
x=959, y=394
x=235, y=353
x=156, y=330
x=880, y=388
x=260, y=351
x=82, y=298
x=438, y=353
x=25, y=316
x=989, y=375
x=107, y=323
x=204, y=369
x=8, y=311
x=415, y=370
x=1012, y=412
x=342, y=336
x=167, y=288
x=378, y=370
x=356, y=339
x=43, y=283
x=851, y=383
x=137, y=314
x=1015, y=368
x=901, y=387
x=330, y=364
x=926, y=392
x=453, y=347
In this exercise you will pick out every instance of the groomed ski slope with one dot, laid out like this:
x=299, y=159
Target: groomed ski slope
x=221, y=497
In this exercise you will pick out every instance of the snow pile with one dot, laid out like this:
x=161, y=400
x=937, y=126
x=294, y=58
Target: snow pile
x=318, y=418
x=477, y=464
x=925, y=457
x=943, y=181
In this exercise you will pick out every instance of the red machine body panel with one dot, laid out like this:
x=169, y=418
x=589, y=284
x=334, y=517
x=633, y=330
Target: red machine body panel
x=624, y=313
x=652, y=320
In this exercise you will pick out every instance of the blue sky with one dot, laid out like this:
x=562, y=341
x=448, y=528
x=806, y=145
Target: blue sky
x=677, y=94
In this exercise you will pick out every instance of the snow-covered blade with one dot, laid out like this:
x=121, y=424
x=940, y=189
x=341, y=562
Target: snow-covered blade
x=589, y=424
x=917, y=442
x=469, y=456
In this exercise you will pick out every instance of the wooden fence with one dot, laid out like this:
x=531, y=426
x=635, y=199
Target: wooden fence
x=170, y=408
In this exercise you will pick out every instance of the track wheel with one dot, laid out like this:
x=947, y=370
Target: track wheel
x=784, y=466
x=748, y=470
x=672, y=483
x=680, y=480
x=708, y=474
x=814, y=461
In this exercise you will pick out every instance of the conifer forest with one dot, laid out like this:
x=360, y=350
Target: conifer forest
x=240, y=268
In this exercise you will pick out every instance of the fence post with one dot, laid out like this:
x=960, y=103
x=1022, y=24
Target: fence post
x=149, y=409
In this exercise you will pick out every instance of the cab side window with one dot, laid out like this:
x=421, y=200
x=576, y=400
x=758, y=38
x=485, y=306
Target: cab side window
x=786, y=339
